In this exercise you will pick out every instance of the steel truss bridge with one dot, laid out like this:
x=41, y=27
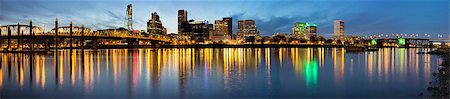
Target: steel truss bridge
x=32, y=36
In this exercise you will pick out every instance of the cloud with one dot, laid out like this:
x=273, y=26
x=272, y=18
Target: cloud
x=115, y=15
x=361, y=17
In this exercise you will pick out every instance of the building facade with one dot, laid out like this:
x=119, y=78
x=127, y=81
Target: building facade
x=222, y=30
x=193, y=30
x=182, y=20
x=229, y=23
x=247, y=30
x=311, y=30
x=154, y=25
x=304, y=30
x=198, y=31
x=299, y=29
x=339, y=28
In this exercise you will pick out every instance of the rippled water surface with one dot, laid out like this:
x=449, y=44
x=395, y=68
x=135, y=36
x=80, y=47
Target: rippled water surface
x=219, y=72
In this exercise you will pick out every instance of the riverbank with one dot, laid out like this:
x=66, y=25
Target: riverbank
x=439, y=87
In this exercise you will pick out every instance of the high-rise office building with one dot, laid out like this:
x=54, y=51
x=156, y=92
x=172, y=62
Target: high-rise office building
x=247, y=30
x=193, y=30
x=224, y=27
x=304, y=30
x=339, y=28
x=221, y=28
x=198, y=31
x=154, y=25
x=182, y=20
x=299, y=29
x=229, y=23
x=311, y=30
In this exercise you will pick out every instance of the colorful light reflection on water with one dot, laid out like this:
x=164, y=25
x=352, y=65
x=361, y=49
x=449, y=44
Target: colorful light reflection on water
x=220, y=72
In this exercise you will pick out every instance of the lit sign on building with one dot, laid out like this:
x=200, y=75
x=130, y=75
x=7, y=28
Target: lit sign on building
x=401, y=41
x=373, y=42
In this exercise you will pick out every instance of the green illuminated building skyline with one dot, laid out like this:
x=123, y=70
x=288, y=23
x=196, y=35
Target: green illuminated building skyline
x=304, y=30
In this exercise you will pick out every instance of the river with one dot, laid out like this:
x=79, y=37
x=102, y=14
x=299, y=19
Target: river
x=218, y=73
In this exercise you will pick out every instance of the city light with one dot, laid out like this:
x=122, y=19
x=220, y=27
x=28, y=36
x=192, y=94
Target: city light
x=226, y=49
x=401, y=41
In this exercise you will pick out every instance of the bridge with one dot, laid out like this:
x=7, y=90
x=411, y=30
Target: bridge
x=29, y=37
x=408, y=42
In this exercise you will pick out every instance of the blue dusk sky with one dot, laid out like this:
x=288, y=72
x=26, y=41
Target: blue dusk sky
x=362, y=17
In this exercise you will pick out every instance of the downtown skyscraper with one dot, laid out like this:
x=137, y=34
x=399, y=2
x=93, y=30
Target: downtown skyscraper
x=182, y=20
x=191, y=29
x=154, y=25
x=229, y=22
x=223, y=29
x=339, y=28
x=304, y=30
x=247, y=30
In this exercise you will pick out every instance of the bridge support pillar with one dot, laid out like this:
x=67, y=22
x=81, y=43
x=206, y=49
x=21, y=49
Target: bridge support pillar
x=82, y=37
x=132, y=43
x=31, y=39
x=9, y=38
x=56, y=43
x=47, y=45
x=19, y=34
x=94, y=43
x=154, y=44
x=71, y=36
x=430, y=44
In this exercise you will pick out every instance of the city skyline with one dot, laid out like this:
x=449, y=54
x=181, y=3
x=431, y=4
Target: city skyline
x=361, y=17
x=224, y=48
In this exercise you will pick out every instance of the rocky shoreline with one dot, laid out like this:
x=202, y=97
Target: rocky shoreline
x=439, y=87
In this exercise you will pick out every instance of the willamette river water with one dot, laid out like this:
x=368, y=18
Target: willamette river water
x=218, y=72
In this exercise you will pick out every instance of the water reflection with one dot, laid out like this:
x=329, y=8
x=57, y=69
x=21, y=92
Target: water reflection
x=224, y=72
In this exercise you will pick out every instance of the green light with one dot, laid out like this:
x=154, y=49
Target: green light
x=373, y=42
x=301, y=26
x=311, y=73
x=301, y=23
x=401, y=41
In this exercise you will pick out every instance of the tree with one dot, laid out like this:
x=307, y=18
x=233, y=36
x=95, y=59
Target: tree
x=320, y=38
x=264, y=39
x=278, y=38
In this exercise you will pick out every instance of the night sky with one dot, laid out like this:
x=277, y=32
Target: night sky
x=362, y=17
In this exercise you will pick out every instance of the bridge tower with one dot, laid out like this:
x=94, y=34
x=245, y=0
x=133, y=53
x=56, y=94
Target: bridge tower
x=129, y=23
